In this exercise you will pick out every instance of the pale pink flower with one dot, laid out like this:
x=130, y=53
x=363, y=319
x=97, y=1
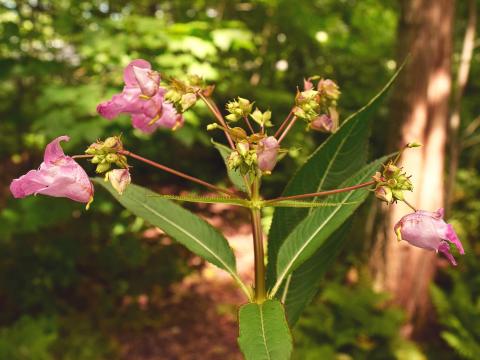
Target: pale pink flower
x=267, y=154
x=59, y=176
x=143, y=98
x=428, y=230
x=119, y=178
x=323, y=123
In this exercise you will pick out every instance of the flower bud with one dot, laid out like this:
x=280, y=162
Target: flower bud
x=243, y=147
x=113, y=143
x=329, y=89
x=384, y=193
x=414, y=144
x=212, y=126
x=267, y=154
x=245, y=106
x=322, y=123
x=102, y=167
x=234, y=160
x=187, y=101
x=119, y=178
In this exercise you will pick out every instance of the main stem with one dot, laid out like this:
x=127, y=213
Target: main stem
x=260, y=288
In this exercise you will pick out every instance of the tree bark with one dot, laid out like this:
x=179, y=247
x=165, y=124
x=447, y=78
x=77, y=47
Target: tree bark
x=419, y=111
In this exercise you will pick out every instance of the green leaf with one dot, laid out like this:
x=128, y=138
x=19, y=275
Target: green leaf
x=314, y=230
x=302, y=285
x=187, y=228
x=206, y=199
x=297, y=204
x=343, y=153
x=264, y=333
x=235, y=177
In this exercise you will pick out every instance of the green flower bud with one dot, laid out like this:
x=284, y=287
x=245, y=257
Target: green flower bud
x=111, y=158
x=414, y=144
x=234, y=160
x=243, y=147
x=187, y=101
x=102, y=167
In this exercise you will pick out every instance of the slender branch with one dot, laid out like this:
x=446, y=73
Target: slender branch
x=294, y=119
x=81, y=156
x=284, y=123
x=219, y=117
x=178, y=173
x=249, y=124
x=260, y=287
x=321, y=193
x=410, y=205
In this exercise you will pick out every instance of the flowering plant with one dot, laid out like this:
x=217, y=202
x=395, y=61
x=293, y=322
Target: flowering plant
x=308, y=227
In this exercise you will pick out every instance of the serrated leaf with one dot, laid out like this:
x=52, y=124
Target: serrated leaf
x=185, y=227
x=314, y=230
x=264, y=333
x=343, y=153
x=303, y=284
x=234, y=175
x=205, y=199
x=298, y=204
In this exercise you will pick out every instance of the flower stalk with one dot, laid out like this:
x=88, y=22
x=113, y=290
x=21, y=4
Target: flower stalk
x=177, y=173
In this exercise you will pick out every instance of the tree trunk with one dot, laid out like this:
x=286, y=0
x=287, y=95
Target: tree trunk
x=419, y=111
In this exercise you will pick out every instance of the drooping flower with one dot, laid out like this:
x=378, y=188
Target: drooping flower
x=143, y=98
x=119, y=178
x=267, y=154
x=59, y=176
x=428, y=230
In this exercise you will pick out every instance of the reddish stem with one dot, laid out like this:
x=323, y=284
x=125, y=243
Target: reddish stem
x=321, y=193
x=216, y=112
x=284, y=123
x=178, y=173
x=294, y=119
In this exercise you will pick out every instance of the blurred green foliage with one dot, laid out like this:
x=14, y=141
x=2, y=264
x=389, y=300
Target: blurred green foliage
x=64, y=272
x=352, y=322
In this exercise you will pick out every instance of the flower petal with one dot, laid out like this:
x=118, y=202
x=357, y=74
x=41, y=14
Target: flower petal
x=445, y=250
x=128, y=74
x=54, y=151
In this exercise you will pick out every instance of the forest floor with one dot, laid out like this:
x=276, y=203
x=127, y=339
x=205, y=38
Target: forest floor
x=200, y=319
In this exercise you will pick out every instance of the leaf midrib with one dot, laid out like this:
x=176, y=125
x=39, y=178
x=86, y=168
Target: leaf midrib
x=263, y=332
x=198, y=241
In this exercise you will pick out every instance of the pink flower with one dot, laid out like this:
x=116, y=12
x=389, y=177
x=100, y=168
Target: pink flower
x=323, y=123
x=428, y=230
x=267, y=154
x=59, y=176
x=143, y=98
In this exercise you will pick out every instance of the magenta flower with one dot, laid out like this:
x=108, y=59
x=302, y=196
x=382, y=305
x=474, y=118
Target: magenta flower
x=59, y=176
x=428, y=230
x=143, y=98
x=267, y=154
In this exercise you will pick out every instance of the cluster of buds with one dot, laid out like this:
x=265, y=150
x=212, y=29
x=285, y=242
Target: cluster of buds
x=244, y=158
x=183, y=94
x=261, y=154
x=391, y=183
x=238, y=109
x=105, y=155
x=318, y=106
